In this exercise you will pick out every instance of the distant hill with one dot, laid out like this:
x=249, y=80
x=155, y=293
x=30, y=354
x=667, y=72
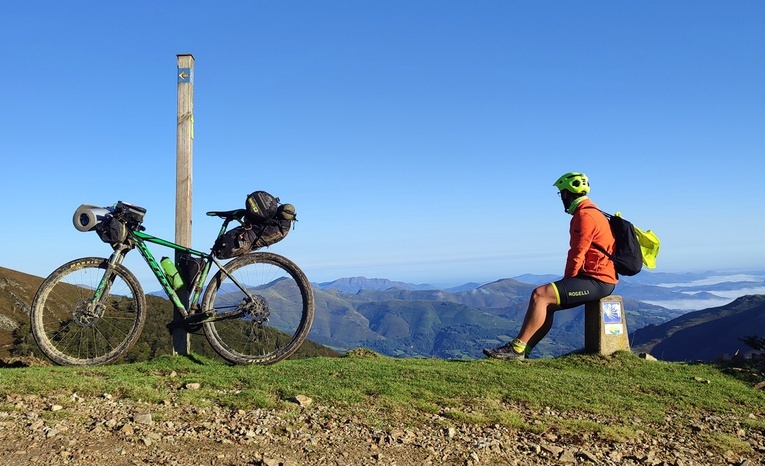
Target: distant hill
x=670, y=290
x=17, y=291
x=436, y=323
x=355, y=284
x=705, y=335
x=537, y=279
x=405, y=320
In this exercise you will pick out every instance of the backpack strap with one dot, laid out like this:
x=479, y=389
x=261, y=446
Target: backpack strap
x=596, y=245
x=601, y=249
x=608, y=216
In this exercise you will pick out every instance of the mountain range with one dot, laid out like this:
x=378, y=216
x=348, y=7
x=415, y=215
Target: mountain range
x=419, y=320
x=682, y=291
x=706, y=334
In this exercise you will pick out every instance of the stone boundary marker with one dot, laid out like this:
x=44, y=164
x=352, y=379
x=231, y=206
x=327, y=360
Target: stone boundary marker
x=605, y=326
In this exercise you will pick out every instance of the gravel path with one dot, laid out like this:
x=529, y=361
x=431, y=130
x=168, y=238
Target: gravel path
x=106, y=431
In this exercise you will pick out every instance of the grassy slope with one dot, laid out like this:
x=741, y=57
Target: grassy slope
x=614, y=398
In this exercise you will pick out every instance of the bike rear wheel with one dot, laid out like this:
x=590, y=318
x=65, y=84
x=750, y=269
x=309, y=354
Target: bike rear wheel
x=273, y=326
x=72, y=329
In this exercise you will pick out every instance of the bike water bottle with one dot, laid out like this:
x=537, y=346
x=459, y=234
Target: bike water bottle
x=173, y=277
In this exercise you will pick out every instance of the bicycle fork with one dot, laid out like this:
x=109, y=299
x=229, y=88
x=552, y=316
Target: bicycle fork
x=91, y=310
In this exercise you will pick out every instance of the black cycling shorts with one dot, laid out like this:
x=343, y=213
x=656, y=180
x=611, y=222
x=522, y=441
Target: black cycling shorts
x=578, y=290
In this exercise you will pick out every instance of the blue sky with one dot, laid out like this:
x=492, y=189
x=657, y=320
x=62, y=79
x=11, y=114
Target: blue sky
x=418, y=139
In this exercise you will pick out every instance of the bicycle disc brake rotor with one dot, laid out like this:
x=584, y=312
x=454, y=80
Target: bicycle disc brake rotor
x=86, y=314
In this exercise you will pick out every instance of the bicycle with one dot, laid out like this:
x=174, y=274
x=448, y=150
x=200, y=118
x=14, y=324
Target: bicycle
x=257, y=309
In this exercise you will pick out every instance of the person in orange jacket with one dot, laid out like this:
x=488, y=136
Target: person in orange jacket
x=589, y=274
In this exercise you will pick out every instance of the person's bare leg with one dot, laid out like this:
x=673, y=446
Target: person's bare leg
x=543, y=330
x=537, y=322
x=539, y=315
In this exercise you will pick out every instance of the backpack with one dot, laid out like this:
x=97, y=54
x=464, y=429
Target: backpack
x=628, y=257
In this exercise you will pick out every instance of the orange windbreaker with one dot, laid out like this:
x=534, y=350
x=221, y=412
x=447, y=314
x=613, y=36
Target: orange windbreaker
x=589, y=226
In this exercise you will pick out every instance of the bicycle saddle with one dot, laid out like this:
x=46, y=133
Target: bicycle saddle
x=230, y=214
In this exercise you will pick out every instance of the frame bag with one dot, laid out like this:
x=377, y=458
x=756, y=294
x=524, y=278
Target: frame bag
x=189, y=267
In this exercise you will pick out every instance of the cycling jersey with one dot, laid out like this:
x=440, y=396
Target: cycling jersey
x=589, y=226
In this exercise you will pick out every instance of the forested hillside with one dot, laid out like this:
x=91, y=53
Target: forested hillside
x=431, y=323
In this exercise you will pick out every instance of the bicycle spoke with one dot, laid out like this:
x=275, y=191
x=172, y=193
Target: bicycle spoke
x=73, y=326
x=275, y=317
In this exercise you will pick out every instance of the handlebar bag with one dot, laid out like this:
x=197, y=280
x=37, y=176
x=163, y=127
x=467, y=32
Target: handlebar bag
x=112, y=230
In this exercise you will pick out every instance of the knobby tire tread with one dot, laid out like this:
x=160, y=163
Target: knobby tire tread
x=306, y=318
x=42, y=299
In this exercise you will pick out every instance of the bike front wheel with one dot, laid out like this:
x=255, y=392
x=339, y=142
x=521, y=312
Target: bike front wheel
x=73, y=327
x=273, y=325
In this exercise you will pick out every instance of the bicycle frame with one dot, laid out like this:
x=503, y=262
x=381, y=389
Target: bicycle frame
x=255, y=309
x=139, y=240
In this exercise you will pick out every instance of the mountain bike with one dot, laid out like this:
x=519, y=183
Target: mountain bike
x=257, y=309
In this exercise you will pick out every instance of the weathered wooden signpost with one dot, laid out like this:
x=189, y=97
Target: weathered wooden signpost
x=183, y=182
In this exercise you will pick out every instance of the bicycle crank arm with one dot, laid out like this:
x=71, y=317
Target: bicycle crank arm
x=193, y=320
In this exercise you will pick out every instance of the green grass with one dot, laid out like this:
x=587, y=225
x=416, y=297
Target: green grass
x=612, y=398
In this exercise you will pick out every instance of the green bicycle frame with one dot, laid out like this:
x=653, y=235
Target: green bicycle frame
x=141, y=239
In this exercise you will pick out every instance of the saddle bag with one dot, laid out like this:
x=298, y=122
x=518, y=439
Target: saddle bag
x=233, y=243
x=261, y=206
x=267, y=222
x=243, y=239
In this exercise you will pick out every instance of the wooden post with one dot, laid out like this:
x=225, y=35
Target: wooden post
x=183, y=182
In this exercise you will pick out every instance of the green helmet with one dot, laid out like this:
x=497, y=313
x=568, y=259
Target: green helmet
x=574, y=182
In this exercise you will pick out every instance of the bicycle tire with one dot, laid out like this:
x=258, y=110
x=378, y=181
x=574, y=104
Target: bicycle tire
x=280, y=287
x=71, y=332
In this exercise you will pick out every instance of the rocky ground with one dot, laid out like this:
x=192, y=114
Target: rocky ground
x=67, y=429
x=102, y=430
